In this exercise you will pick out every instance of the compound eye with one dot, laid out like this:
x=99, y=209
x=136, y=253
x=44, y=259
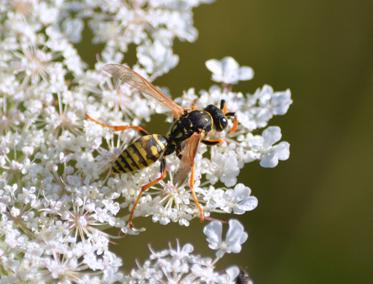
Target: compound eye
x=223, y=122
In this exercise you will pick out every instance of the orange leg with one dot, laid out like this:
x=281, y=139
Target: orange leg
x=117, y=127
x=212, y=142
x=143, y=189
x=225, y=108
x=235, y=126
x=194, y=107
x=191, y=185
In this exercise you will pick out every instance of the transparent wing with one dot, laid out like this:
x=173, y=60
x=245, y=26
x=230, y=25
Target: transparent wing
x=188, y=154
x=126, y=75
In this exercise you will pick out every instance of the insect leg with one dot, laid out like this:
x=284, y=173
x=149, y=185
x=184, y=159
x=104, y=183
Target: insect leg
x=212, y=142
x=234, y=126
x=191, y=185
x=235, y=122
x=224, y=108
x=144, y=188
x=117, y=127
x=194, y=104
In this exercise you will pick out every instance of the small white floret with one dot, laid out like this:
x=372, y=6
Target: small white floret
x=228, y=71
x=235, y=237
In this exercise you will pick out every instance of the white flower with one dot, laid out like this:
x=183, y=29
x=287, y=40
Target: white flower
x=235, y=237
x=239, y=200
x=261, y=106
x=223, y=165
x=270, y=153
x=281, y=102
x=119, y=24
x=180, y=265
x=58, y=192
x=156, y=58
x=73, y=28
x=228, y=71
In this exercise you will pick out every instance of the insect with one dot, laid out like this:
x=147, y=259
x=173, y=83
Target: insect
x=141, y=153
x=189, y=128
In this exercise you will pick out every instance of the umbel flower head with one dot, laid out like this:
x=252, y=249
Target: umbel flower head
x=58, y=194
x=180, y=265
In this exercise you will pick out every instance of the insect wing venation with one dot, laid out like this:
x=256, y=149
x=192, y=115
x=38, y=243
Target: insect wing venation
x=126, y=75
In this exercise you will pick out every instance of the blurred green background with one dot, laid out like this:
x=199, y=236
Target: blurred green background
x=314, y=222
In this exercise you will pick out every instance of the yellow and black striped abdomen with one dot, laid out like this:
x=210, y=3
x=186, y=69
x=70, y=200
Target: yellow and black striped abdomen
x=140, y=154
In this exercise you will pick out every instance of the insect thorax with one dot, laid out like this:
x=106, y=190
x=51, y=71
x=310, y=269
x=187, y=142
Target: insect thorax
x=189, y=123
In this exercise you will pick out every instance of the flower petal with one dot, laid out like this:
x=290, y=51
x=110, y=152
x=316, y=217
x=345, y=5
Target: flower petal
x=271, y=135
x=213, y=232
x=246, y=73
x=214, y=66
x=235, y=236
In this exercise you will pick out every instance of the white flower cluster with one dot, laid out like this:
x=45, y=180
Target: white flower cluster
x=57, y=194
x=152, y=25
x=179, y=265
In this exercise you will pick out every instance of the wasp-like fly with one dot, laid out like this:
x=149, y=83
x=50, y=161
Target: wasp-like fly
x=189, y=128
